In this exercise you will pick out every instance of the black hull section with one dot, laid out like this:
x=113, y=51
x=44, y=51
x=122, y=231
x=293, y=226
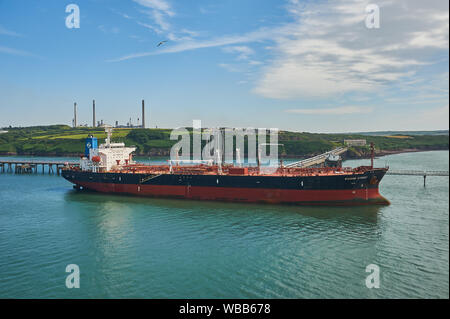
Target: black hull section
x=369, y=180
x=345, y=189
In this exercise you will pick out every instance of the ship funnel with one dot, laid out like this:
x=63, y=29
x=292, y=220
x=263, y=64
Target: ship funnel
x=91, y=143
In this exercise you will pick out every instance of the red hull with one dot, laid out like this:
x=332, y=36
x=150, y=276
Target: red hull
x=252, y=195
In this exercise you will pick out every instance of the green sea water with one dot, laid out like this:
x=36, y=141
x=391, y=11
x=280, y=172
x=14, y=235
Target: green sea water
x=129, y=247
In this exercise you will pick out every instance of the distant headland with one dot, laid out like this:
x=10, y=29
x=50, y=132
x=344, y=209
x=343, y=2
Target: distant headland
x=63, y=140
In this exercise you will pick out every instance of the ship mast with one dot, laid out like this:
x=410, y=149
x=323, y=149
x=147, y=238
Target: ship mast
x=372, y=154
x=108, y=130
x=258, y=158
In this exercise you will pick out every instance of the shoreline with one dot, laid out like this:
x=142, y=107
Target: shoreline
x=393, y=152
x=345, y=155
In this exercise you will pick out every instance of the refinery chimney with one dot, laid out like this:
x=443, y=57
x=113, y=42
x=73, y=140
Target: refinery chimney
x=75, y=114
x=93, y=113
x=143, y=114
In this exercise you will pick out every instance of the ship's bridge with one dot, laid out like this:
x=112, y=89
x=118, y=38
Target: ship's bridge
x=107, y=156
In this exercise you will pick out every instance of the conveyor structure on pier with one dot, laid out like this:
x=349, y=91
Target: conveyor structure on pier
x=318, y=159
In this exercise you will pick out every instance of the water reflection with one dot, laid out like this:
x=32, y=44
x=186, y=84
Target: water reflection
x=358, y=214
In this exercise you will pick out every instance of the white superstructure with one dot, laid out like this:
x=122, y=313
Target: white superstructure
x=107, y=156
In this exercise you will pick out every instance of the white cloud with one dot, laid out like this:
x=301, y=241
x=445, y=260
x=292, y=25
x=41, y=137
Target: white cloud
x=253, y=62
x=160, y=20
x=4, y=31
x=104, y=29
x=191, y=33
x=329, y=50
x=230, y=67
x=333, y=111
x=210, y=8
x=159, y=11
x=14, y=51
x=158, y=5
x=190, y=44
x=151, y=27
x=243, y=51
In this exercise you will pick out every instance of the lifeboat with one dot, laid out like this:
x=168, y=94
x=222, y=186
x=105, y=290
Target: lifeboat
x=96, y=159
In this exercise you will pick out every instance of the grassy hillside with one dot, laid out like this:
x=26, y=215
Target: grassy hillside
x=386, y=133
x=64, y=140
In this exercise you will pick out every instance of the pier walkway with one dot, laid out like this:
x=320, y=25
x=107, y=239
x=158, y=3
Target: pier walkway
x=32, y=166
x=417, y=173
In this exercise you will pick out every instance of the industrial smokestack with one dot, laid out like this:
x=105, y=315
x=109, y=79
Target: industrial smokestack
x=143, y=114
x=93, y=113
x=74, y=114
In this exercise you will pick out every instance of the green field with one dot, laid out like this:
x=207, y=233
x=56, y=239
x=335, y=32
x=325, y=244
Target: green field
x=61, y=140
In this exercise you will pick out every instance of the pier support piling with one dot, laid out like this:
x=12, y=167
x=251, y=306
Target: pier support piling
x=32, y=166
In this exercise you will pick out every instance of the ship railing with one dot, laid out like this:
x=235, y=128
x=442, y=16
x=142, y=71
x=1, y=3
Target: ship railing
x=209, y=162
x=308, y=171
x=180, y=161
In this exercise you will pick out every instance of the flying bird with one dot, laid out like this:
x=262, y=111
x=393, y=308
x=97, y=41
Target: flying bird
x=161, y=43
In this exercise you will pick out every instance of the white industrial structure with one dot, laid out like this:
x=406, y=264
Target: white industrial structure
x=107, y=156
x=355, y=142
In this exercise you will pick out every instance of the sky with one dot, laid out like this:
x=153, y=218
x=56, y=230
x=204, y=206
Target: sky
x=308, y=66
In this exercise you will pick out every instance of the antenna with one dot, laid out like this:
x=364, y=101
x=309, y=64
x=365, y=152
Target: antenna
x=108, y=130
x=219, y=161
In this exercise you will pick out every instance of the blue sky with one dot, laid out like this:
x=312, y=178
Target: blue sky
x=298, y=65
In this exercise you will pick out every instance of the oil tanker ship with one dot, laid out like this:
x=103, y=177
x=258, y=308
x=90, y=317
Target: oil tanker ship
x=109, y=168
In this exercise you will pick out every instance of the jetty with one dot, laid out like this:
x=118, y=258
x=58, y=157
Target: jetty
x=417, y=173
x=318, y=159
x=52, y=167
x=33, y=166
